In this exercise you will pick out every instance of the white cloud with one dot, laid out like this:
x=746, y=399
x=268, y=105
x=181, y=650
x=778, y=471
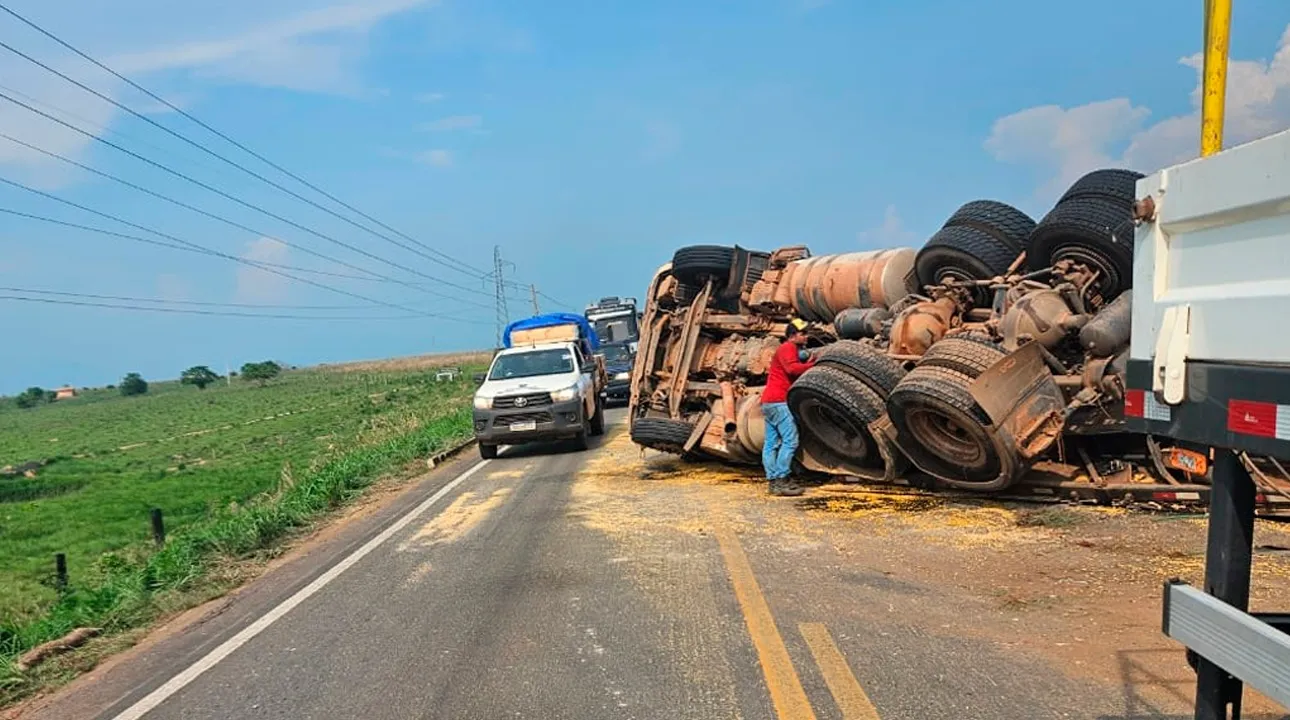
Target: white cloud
x=259, y=286
x=891, y=233
x=303, y=45
x=437, y=158
x=454, y=122
x=1063, y=143
x=316, y=49
x=430, y=98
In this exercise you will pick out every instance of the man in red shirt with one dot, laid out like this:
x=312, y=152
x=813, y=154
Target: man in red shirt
x=781, y=431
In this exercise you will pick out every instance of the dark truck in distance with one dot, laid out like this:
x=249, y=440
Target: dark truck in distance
x=619, y=358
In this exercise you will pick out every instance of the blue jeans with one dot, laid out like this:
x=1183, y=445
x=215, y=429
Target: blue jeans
x=781, y=440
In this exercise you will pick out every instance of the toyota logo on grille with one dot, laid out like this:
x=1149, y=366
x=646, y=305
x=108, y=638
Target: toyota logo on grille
x=521, y=401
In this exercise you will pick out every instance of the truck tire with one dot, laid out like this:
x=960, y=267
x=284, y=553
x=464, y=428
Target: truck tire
x=970, y=354
x=598, y=420
x=1115, y=184
x=663, y=434
x=864, y=363
x=946, y=429
x=1085, y=229
x=833, y=411
x=1001, y=220
x=695, y=263
x=487, y=451
x=963, y=253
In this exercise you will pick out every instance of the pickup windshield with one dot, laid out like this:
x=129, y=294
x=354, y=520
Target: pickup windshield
x=532, y=364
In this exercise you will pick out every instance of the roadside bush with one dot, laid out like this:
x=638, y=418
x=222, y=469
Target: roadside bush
x=261, y=372
x=133, y=384
x=33, y=396
x=198, y=375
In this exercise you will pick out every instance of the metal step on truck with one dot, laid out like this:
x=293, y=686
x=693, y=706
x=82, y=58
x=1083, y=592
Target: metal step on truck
x=1209, y=364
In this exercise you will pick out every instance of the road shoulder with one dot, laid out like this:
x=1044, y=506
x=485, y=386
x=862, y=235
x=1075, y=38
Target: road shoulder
x=176, y=642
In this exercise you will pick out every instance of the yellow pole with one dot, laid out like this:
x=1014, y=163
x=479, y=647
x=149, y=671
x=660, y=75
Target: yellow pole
x=1218, y=27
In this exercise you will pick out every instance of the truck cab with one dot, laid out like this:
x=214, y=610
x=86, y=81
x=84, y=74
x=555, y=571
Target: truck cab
x=545, y=385
x=616, y=321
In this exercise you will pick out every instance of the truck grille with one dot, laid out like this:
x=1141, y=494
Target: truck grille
x=539, y=417
x=530, y=400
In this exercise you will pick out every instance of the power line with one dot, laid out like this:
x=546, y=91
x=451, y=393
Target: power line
x=221, y=193
x=194, y=303
x=231, y=223
x=98, y=128
x=185, y=311
x=446, y=259
x=200, y=248
x=192, y=248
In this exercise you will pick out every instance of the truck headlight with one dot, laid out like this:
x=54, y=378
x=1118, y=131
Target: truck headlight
x=623, y=376
x=483, y=403
x=565, y=394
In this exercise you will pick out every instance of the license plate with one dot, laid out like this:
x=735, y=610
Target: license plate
x=523, y=426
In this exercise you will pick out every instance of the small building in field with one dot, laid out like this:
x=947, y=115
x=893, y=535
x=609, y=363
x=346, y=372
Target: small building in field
x=65, y=393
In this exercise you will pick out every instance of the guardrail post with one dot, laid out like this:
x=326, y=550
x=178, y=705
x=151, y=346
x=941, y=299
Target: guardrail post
x=60, y=572
x=158, y=527
x=1228, y=553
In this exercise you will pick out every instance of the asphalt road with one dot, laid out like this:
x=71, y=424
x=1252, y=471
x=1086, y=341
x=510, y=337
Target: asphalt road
x=506, y=589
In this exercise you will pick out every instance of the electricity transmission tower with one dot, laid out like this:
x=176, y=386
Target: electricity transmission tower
x=499, y=292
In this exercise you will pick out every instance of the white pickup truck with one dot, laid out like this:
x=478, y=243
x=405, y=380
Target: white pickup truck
x=545, y=385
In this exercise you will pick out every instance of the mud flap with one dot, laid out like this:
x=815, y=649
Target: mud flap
x=1026, y=407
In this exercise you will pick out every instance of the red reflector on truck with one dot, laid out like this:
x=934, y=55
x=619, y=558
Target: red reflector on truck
x=1134, y=403
x=1174, y=496
x=1252, y=418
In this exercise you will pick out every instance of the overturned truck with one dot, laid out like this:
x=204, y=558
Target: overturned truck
x=990, y=360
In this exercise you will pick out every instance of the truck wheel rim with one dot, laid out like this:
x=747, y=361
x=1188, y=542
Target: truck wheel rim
x=835, y=431
x=948, y=439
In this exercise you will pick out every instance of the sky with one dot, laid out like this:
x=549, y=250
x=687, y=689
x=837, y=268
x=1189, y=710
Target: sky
x=585, y=141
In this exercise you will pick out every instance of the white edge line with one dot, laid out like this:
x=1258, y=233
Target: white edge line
x=177, y=683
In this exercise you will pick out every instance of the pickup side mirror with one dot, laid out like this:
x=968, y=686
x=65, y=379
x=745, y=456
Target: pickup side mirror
x=480, y=378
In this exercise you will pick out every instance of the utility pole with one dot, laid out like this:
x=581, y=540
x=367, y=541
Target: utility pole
x=499, y=291
x=533, y=294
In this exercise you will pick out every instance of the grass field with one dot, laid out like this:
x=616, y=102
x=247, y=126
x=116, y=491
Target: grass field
x=233, y=469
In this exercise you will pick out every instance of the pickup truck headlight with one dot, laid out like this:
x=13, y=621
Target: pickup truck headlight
x=483, y=403
x=565, y=394
x=623, y=376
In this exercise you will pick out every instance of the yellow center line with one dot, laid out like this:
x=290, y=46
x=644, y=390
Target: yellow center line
x=785, y=687
x=847, y=693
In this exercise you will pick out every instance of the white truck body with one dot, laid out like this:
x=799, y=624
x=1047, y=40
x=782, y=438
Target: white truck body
x=1209, y=364
x=1219, y=253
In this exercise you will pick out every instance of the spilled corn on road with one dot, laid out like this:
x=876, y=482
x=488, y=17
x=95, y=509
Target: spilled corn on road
x=611, y=583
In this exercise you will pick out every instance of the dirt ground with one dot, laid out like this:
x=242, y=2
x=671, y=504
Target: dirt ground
x=1079, y=587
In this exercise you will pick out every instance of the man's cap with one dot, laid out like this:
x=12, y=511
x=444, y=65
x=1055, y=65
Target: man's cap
x=798, y=323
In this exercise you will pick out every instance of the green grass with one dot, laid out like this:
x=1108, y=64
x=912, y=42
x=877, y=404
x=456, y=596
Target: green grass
x=240, y=486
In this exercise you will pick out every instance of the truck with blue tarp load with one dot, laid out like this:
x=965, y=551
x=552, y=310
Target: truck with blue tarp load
x=545, y=384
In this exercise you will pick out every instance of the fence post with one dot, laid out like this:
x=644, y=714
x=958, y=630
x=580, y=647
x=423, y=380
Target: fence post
x=60, y=572
x=158, y=527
